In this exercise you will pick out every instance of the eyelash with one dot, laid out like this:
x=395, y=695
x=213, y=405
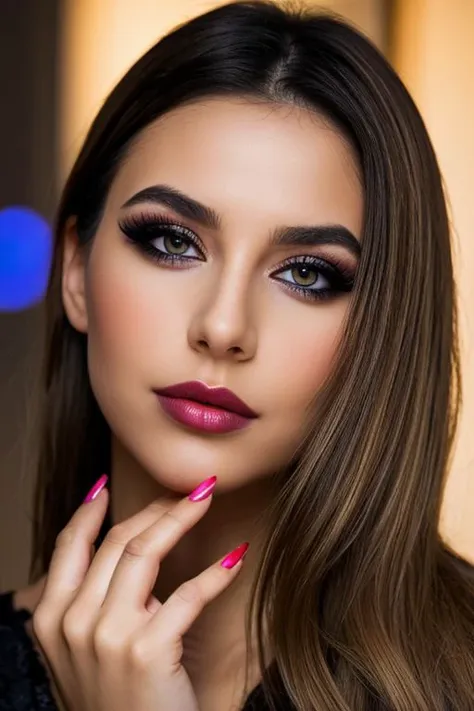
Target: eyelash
x=142, y=229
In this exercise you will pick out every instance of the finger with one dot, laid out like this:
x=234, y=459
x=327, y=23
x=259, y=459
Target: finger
x=174, y=618
x=136, y=572
x=72, y=554
x=96, y=583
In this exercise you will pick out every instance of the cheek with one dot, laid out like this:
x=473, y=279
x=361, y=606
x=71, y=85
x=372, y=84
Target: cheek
x=128, y=312
x=307, y=354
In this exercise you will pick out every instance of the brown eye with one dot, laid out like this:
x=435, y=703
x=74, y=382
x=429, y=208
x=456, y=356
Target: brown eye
x=175, y=244
x=304, y=275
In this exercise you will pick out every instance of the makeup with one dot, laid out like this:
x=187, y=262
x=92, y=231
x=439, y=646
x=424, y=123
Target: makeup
x=235, y=556
x=203, y=490
x=210, y=409
x=166, y=241
x=96, y=489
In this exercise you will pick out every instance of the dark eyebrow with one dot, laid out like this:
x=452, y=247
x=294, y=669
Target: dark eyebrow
x=318, y=234
x=191, y=209
x=178, y=202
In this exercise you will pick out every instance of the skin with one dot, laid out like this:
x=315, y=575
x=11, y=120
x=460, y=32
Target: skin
x=223, y=320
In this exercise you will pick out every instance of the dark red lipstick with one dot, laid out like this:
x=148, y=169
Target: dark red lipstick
x=213, y=409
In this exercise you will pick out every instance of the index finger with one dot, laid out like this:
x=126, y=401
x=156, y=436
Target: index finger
x=73, y=557
x=73, y=551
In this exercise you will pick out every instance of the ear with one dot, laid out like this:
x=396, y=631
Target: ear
x=73, y=278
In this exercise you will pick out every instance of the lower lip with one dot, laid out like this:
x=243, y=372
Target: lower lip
x=202, y=417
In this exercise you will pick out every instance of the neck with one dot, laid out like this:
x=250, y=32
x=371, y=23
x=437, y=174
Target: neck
x=215, y=646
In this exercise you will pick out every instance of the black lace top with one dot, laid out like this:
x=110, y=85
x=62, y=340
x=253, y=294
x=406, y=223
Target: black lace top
x=24, y=685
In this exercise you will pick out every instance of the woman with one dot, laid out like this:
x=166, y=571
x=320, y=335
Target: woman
x=257, y=207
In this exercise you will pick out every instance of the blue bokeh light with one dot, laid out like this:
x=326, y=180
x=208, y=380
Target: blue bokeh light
x=25, y=258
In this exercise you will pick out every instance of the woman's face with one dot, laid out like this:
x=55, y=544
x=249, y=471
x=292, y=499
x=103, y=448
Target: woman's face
x=236, y=308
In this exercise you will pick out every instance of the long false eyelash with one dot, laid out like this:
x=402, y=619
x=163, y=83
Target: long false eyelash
x=141, y=228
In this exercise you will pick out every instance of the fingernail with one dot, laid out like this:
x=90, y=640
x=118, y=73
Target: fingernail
x=234, y=556
x=203, y=490
x=96, y=489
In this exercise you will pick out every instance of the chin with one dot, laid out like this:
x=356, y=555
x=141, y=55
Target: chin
x=181, y=462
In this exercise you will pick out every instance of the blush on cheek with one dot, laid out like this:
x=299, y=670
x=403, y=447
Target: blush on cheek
x=135, y=310
x=114, y=313
x=121, y=298
x=311, y=364
x=314, y=369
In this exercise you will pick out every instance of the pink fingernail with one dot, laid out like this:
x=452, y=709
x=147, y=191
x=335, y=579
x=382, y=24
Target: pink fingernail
x=203, y=490
x=234, y=556
x=96, y=489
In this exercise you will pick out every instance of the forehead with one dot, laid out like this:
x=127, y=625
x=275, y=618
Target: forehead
x=282, y=162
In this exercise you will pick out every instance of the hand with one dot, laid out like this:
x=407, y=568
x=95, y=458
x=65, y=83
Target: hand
x=108, y=642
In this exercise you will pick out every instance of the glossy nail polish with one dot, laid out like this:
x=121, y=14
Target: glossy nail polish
x=203, y=490
x=96, y=489
x=234, y=556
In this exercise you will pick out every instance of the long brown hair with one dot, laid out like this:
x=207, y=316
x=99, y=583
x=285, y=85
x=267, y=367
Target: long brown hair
x=364, y=605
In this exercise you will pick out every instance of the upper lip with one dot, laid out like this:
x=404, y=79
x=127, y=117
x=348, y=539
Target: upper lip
x=219, y=396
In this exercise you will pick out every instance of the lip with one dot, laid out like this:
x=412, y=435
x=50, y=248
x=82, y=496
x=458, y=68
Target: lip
x=219, y=397
x=221, y=412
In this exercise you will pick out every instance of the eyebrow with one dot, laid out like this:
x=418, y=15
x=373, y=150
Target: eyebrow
x=205, y=216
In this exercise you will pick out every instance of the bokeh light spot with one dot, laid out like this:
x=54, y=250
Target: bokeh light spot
x=25, y=258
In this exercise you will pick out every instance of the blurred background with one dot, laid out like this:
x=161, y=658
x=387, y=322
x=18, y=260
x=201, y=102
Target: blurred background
x=58, y=61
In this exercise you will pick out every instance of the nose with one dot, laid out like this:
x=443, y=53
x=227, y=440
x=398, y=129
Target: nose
x=223, y=325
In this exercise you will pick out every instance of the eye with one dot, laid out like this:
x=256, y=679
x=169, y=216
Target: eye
x=173, y=244
x=163, y=240
x=315, y=278
x=307, y=276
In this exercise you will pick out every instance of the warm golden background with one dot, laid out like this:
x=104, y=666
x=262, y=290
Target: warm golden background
x=430, y=43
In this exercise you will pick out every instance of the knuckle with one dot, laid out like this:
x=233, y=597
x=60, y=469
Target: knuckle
x=105, y=641
x=136, y=548
x=73, y=627
x=190, y=593
x=42, y=623
x=66, y=536
x=117, y=536
x=140, y=655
